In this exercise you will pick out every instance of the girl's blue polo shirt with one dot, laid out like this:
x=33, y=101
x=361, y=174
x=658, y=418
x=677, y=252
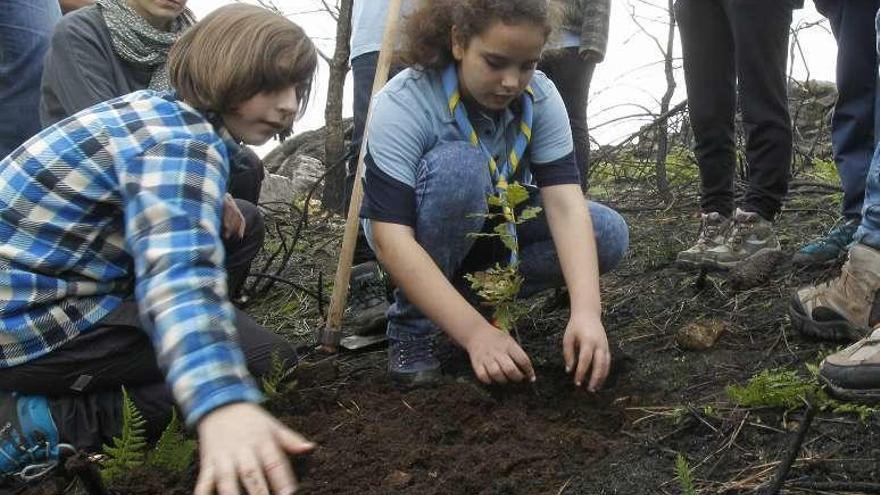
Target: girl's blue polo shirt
x=411, y=117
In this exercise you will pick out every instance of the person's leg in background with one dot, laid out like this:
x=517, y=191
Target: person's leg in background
x=572, y=75
x=760, y=33
x=25, y=29
x=854, y=124
x=710, y=76
x=848, y=308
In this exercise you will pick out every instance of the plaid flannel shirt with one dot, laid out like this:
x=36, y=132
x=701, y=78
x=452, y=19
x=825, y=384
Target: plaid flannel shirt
x=123, y=197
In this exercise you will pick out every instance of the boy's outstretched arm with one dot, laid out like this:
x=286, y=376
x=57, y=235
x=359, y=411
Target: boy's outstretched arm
x=173, y=199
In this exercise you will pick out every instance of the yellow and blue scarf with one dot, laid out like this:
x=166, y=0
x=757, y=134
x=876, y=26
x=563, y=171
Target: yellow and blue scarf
x=501, y=174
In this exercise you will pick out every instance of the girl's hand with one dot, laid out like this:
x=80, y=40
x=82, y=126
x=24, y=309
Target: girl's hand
x=583, y=346
x=497, y=358
x=241, y=444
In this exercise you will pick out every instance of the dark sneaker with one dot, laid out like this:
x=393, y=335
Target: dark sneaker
x=413, y=363
x=29, y=444
x=829, y=248
x=749, y=235
x=854, y=373
x=713, y=230
x=844, y=308
x=368, y=299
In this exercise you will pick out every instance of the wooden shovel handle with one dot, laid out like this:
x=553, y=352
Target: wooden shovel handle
x=329, y=337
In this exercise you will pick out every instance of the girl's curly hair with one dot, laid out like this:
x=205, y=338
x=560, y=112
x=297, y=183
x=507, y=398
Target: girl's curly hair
x=428, y=29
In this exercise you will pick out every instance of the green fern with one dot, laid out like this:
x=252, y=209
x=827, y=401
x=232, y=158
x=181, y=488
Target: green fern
x=685, y=476
x=173, y=452
x=271, y=382
x=787, y=389
x=128, y=449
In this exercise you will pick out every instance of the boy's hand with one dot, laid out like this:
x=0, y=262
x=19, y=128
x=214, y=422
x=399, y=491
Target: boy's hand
x=243, y=444
x=233, y=220
x=585, y=345
x=497, y=358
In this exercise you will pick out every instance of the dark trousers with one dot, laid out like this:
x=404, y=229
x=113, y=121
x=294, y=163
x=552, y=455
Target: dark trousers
x=572, y=76
x=731, y=45
x=83, y=378
x=856, y=119
x=240, y=252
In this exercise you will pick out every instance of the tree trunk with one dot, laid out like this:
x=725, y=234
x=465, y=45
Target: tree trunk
x=334, y=137
x=662, y=126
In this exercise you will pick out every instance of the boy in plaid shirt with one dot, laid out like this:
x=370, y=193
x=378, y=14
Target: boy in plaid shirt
x=112, y=261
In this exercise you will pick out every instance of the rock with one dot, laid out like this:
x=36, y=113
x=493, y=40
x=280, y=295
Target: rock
x=699, y=335
x=276, y=190
x=294, y=179
x=303, y=170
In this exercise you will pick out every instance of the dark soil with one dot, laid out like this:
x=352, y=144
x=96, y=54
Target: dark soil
x=661, y=401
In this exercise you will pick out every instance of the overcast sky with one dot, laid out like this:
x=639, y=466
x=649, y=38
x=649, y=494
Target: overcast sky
x=630, y=78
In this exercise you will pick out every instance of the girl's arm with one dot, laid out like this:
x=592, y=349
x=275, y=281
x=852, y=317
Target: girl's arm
x=585, y=343
x=495, y=356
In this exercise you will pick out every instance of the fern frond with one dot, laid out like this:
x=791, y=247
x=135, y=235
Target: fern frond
x=173, y=452
x=128, y=449
x=271, y=382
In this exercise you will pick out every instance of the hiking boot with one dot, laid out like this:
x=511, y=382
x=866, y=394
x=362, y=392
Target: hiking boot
x=713, y=229
x=828, y=249
x=413, y=363
x=844, y=308
x=750, y=234
x=368, y=299
x=854, y=373
x=29, y=444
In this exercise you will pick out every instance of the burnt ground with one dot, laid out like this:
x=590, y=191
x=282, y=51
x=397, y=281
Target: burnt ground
x=661, y=401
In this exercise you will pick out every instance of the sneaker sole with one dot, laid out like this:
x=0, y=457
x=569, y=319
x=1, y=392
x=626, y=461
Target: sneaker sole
x=686, y=264
x=422, y=379
x=865, y=396
x=840, y=330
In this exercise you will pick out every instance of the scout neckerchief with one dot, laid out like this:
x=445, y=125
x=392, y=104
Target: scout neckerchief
x=501, y=175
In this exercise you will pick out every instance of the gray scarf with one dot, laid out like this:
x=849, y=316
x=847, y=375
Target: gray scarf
x=139, y=43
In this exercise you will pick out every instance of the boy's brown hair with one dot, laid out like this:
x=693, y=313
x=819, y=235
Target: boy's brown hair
x=238, y=51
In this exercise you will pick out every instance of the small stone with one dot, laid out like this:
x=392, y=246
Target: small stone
x=397, y=479
x=699, y=335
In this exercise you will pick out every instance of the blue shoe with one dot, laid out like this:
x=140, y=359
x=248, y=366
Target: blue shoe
x=29, y=443
x=413, y=363
x=828, y=249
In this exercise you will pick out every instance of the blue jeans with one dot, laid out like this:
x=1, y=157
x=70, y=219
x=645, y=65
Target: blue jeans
x=855, y=125
x=452, y=185
x=869, y=230
x=25, y=29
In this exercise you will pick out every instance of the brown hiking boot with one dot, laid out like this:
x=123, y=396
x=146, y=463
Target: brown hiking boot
x=713, y=230
x=845, y=308
x=749, y=235
x=854, y=373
